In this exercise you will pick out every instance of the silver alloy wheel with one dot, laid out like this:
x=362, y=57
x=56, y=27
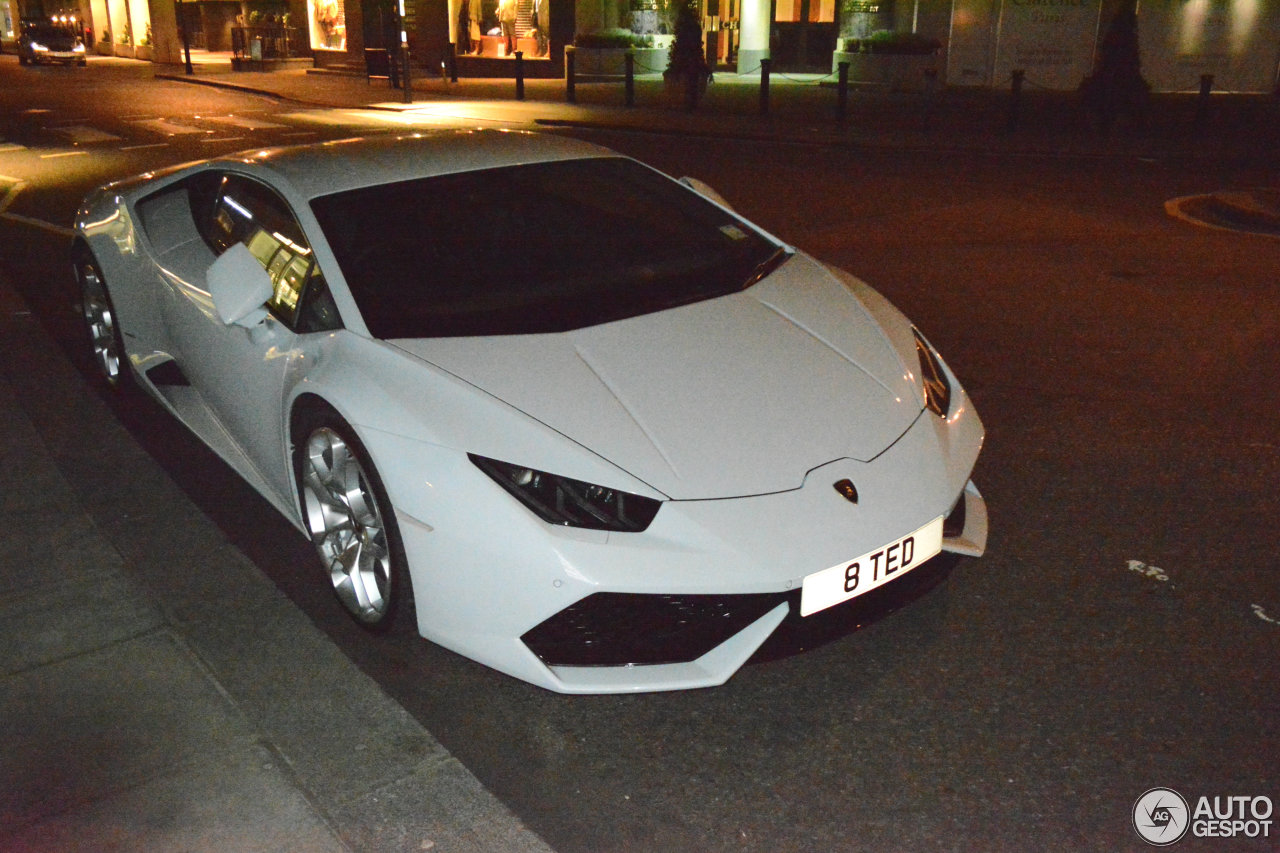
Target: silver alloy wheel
x=100, y=318
x=346, y=525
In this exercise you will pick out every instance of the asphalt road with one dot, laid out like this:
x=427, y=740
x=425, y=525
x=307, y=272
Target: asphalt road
x=1120, y=634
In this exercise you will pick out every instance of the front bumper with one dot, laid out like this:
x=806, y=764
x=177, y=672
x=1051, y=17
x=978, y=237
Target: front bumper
x=628, y=629
x=56, y=56
x=629, y=642
x=494, y=583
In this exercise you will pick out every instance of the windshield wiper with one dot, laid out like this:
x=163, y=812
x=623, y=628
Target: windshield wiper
x=767, y=266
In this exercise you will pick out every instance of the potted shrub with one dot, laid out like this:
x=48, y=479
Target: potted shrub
x=124, y=43
x=895, y=43
x=142, y=50
x=894, y=59
x=687, y=73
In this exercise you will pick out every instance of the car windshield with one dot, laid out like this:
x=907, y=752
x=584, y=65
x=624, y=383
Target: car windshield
x=43, y=33
x=547, y=247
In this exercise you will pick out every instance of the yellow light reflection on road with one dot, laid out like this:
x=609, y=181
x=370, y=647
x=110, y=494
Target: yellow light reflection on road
x=447, y=114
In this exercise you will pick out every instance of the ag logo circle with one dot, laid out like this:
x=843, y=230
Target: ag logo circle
x=1161, y=816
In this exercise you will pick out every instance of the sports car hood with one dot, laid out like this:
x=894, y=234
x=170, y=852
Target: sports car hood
x=738, y=395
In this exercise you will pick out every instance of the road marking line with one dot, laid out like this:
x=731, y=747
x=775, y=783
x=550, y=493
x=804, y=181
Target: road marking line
x=79, y=133
x=63, y=154
x=169, y=128
x=1262, y=614
x=11, y=191
x=14, y=187
x=60, y=230
x=140, y=147
x=242, y=121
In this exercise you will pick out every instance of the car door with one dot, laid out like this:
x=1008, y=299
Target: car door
x=243, y=374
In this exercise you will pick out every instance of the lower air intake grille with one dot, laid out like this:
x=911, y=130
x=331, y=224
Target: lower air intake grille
x=616, y=629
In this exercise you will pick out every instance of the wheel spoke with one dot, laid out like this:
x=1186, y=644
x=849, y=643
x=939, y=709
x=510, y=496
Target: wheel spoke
x=346, y=525
x=360, y=579
x=101, y=322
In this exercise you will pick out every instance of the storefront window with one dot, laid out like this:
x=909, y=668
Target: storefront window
x=816, y=11
x=499, y=28
x=328, y=20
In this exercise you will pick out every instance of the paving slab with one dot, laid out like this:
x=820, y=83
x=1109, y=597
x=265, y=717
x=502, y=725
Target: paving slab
x=107, y=721
x=240, y=801
x=158, y=692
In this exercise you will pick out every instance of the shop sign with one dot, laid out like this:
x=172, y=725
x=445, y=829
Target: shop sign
x=1051, y=40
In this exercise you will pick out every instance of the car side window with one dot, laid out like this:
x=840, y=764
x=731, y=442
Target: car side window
x=248, y=212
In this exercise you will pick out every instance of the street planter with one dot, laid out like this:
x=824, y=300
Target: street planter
x=895, y=60
x=612, y=61
x=898, y=72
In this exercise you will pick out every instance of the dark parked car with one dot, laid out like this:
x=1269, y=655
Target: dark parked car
x=48, y=43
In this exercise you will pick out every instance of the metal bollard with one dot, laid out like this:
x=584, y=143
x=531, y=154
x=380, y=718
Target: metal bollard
x=842, y=99
x=765, y=65
x=519, y=75
x=630, y=61
x=570, y=75
x=1015, y=100
x=930, y=98
x=1202, y=103
x=404, y=73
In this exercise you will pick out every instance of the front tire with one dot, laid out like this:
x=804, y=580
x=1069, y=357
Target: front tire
x=105, y=340
x=351, y=522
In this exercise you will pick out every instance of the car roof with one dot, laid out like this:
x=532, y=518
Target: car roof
x=323, y=168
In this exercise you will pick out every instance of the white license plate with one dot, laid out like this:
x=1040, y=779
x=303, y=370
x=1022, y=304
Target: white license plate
x=852, y=578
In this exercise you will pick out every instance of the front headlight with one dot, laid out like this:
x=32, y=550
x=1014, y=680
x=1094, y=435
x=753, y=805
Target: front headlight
x=38, y=47
x=933, y=376
x=79, y=48
x=561, y=500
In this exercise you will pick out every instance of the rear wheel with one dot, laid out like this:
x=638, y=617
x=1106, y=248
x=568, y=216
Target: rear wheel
x=351, y=521
x=105, y=340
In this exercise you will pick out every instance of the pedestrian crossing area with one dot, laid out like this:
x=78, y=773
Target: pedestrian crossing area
x=48, y=135
x=52, y=137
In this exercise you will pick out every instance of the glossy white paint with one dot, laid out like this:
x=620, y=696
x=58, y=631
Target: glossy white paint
x=738, y=412
x=736, y=396
x=239, y=287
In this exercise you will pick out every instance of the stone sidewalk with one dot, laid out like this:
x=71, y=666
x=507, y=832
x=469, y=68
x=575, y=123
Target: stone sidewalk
x=158, y=692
